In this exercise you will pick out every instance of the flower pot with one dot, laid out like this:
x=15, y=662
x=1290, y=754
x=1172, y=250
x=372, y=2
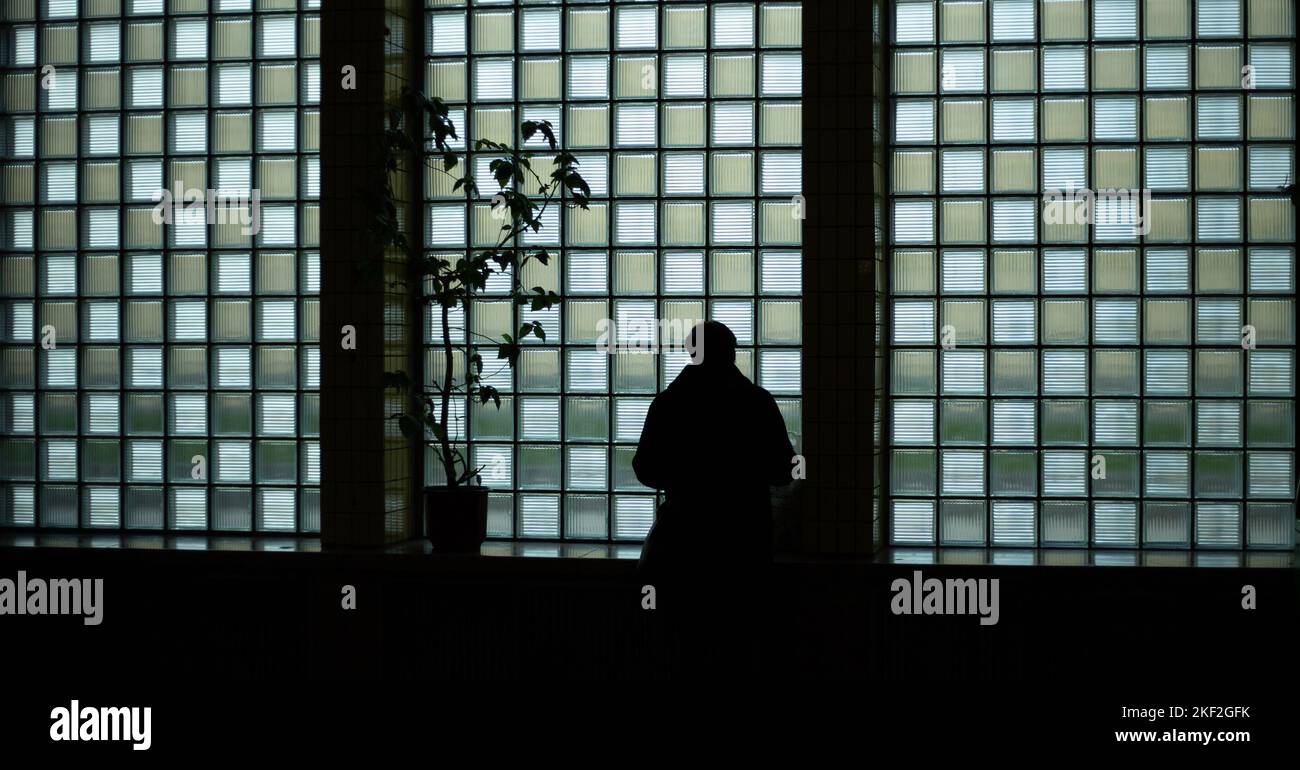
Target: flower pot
x=455, y=518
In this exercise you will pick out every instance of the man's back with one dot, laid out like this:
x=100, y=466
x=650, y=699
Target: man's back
x=716, y=443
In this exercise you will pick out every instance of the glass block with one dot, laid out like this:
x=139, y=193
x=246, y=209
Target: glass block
x=1218, y=525
x=1065, y=322
x=144, y=508
x=586, y=419
x=781, y=124
x=100, y=461
x=779, y=322
x=962, y=121
x=963, y=522
x=1168, y=372
x=912, y=522
x=1014, y=372
x=914, y=72
x=1270, y=525
x=1168, y=474
x=1218, y=373
x=1065, y=372
x=913, y=422
x=500, y=519
x=913, y=271
x=962, y=69
x=276, y=510
x=633, y=516
x=1273, y=321
x=58, y=413
x=585, y=322
x=1272, y=372
x=1115, y=373
x=914, y=121
x=1065, y=473
x=59, y=506
x=1270, y=423
x=1219, y=168
x=732, y=272
x=1166, y=525
x=588, y=28
x=1168, y=118
x=1167, y=423
x=277, y=462
x=1064, y=524
x=232, y=509
x=493, y=422
x=1218, y=423
x=1115, y=474
x=1064, y=120
x=913, y=373
x=493, y=32
x=585, y=516
x=232, y=414
x=187, y=509
x=1218, y=474
x=538, y=466
x=634, y=372
x=1270, y=474
x=1014, y=322
x=1218, y=271
x=1014, y=523
x=963, y=323
x=586, y=468
x=1013, y=473
x=1014, y=271
x=187, y=461
x=1115, y=423
x=623, y=476
x=913, y=322
x=913, y=472
x=732, y=75
x=1114, y=525
x=962, y=422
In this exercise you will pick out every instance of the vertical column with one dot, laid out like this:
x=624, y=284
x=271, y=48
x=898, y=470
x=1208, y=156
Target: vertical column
x=369, y=471
x=840, y=298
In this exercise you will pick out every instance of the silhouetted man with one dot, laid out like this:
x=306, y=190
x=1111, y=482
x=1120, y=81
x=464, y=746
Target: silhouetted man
x=715, y=443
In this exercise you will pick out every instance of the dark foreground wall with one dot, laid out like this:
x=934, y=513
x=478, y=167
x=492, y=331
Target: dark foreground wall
x=276, y=615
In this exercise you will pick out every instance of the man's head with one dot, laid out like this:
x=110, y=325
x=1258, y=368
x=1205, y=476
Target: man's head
x=711, y=344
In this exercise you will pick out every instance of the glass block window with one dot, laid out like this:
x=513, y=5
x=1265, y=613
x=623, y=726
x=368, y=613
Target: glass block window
x=1092, y=273
x=686, y=119
x=159, y=364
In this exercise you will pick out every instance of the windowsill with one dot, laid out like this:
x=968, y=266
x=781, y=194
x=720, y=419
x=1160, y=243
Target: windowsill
x=419, y=551
x=270, y=543
x=117, y=541
x=1085, y=557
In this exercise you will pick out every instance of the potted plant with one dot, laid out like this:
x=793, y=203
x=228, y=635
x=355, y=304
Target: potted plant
x=455, y=512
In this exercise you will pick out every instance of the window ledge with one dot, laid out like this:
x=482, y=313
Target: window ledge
x=419, y=552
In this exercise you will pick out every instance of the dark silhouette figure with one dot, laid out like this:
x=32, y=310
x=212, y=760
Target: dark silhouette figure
x=715, y=443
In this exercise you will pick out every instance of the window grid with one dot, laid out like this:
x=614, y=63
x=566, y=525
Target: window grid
x=949, y=425
x=214, y=348
x=572, y=478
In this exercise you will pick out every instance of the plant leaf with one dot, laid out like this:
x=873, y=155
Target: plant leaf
x=411, y=427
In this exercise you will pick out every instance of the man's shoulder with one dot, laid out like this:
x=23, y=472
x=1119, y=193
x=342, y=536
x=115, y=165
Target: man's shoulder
x=685, y=386
x=759, y=392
